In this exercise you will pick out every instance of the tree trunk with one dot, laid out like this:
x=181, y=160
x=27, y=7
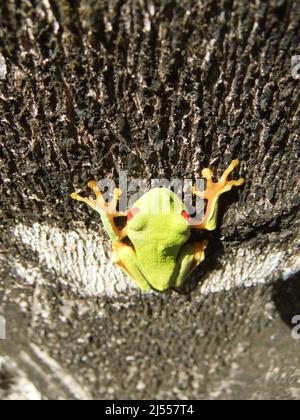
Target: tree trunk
x=160, y=89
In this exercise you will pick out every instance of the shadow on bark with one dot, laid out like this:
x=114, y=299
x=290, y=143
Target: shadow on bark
x=286, y=296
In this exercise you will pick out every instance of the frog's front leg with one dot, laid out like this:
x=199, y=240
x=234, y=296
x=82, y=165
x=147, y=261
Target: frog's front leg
x=212, y=194
x=125, y=257
x=191, y=255
x=107, y=210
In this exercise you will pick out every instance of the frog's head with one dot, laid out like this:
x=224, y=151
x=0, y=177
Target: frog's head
x=158, y=228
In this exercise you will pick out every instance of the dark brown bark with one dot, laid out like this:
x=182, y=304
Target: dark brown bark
x=160, y=89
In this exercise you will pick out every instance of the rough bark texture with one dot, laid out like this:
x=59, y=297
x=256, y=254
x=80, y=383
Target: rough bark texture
x=160, y=89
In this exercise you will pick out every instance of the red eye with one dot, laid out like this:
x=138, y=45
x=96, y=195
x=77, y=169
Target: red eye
x=185, y=214
x=132, y=213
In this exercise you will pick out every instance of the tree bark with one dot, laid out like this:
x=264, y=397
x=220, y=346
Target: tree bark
x=160, y=89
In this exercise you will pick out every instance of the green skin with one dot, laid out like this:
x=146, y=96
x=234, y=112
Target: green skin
x=161, y=256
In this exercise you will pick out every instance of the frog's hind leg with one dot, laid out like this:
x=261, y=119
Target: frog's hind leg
x=125, y=257
x=191, y=255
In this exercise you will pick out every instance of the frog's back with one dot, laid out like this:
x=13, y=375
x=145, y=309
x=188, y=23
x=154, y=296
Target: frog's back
x=160, y=201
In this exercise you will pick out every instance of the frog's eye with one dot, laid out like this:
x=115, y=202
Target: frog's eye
x=185, y=214
x=132, y=213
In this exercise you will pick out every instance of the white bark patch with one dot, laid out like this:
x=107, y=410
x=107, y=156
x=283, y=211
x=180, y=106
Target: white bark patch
x=77, y=256
x=250, y=267
x=3, y=68
x=80, y=258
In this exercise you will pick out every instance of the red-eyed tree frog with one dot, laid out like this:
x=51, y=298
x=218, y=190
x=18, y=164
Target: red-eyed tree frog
x=154, y=247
